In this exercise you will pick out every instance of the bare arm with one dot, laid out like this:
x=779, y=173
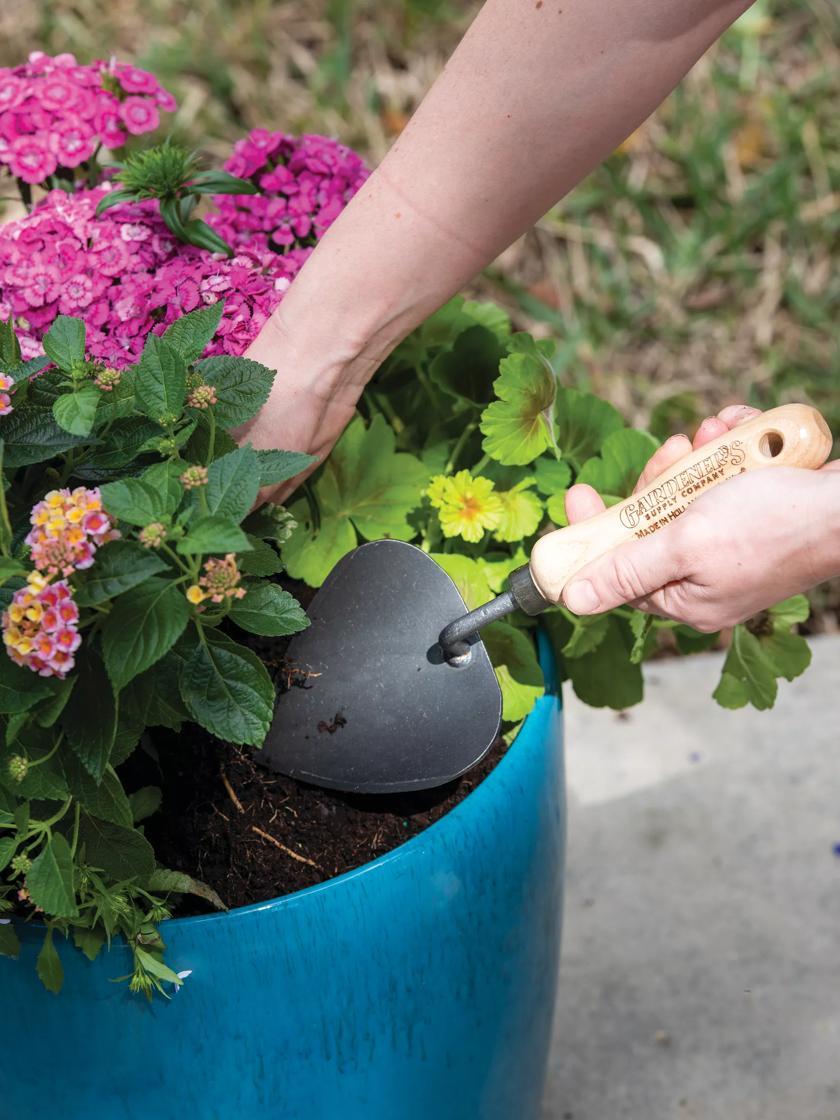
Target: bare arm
x=536, y=95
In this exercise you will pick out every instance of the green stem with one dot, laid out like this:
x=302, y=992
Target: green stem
x=45, y=826
x=388, y=410
x=211, y=442
x=75, y=840
x=45, y=758
x=311, y=501
x=459, y=446
x=428, y=388
x=480, y=465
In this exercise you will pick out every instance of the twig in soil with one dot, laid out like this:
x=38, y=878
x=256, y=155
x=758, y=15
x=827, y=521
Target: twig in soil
x=231, y=793
x=295, y=855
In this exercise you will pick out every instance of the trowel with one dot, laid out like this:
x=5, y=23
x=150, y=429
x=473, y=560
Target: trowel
x=399, y=692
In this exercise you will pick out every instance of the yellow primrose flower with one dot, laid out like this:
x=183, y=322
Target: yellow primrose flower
x=466, y=506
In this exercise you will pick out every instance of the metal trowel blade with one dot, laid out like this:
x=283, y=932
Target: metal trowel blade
x=381, y=710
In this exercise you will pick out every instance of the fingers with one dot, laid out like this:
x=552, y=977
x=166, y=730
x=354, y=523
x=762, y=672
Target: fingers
x=735, y=414
x=711, y=428
x=582, y=502
x=625, y=575
x=671, y=451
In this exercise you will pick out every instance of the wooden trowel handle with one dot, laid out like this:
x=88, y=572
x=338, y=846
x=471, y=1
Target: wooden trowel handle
x=794, y=435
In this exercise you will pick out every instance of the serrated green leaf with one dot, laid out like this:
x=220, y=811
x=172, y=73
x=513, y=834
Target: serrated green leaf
x=268, y=610
x=518, y=671
x=48, y=965
x=582, y=424
x=31, y=435
x=522, y=512
x=126, y=438
x=232, y=483
x=8, y=847
x=756, y=659
x=262, y=560
x=76, y=412
x=120, y=565
x=123, y=853
x=624, y=455
x=641, y=628
x=177, y=882
x=165, y=480
x=519, y=426
x=242, y=387
x=9, y=941
x=134, y=501
x=50, y=879
x=9, y=345
x=88, y=941
x=92, y=740
x=153, y=698
x=192, y=333
x=577, y=635
x=64, y=342
x=105, y=799
x=20, y=688
x=213, y=534
x=365, y=487
x=280, y=466
x=227, y=690
x=160, y=379
x=143, y=625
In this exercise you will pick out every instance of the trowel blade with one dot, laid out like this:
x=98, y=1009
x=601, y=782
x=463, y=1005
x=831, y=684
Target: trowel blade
x=381, y=711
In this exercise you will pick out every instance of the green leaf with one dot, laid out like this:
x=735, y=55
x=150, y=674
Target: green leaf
x=143, y=624
x=552, y=475
x=763, y=650
x=145, y=803
x=88, y=941
x=268, y=610
x=105, y=799
x=199, y=233
x=232, y=483
x=160, y=380
x=518, y=426
x=114, y=198
x=262, y=560
x=488, y=315
x=624, y=455
x=468, y=575
x=126, y=438
x=280, y=466
x=153, y=699
x=8, y=847
x=9, y=942
x=242, y=387
x=192, y=333
x=227, y=690
x=50, y=879
x=577, y=634
x=165, y=480
x=583, y=421
x=134, y=501
x=9, y=345
x=466, y=372
x=641, y=626
x=605, y=677
x=518, y=671
x=20, y=688
x=64, y=342
x=92, y=740
x=120, y=565
x=48, y=965
x=76, y=412
x=155, y=967
x=213, y=534
x=522, y=512
x=164, y=880
x=123, y=853
x=365, y=487
x=221, y=182
x=31, y=435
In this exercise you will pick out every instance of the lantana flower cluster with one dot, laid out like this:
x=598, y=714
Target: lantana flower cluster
x=40, y=627
x=305, y=182
x=56, y=113
x=219, y=581
x=68, y=526
x=126, y=275
x=6, y=385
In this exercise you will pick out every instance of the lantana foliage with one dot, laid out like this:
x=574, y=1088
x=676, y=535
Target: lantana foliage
x=133, y=563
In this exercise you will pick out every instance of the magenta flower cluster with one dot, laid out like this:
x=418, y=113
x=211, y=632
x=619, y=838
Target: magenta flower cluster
x=55, y=113
x=304, y=182
x=126, y=275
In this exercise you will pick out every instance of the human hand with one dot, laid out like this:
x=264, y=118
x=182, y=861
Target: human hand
x=738, y=549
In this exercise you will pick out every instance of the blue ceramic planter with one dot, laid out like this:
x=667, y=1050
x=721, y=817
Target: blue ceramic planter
x=418, y=987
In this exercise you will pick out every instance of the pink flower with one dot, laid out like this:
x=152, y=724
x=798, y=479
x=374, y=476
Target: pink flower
x=139, y=115
x=58, y=93
x=73, y=144
x=77, y=293
x=6, y=384
x=40, y=628
x=30, y=159
x=134, y=80
x=12, y=90
x=67, y=528
x=43, y=284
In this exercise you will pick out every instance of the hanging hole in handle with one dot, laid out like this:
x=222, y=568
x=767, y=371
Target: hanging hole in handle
x=771, y=444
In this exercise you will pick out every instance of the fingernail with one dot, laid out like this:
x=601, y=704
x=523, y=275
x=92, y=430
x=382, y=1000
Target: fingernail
x=581, y=597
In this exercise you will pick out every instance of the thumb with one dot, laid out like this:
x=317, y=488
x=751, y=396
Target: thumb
x=629, y=572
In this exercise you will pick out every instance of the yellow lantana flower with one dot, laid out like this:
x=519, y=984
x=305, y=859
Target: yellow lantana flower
x=466, y=506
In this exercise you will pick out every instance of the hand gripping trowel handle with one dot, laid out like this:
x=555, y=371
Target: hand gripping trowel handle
x=793, y=435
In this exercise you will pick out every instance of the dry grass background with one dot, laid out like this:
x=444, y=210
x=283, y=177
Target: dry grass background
x=697, y=266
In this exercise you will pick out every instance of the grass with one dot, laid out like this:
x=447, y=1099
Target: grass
x=696, y=267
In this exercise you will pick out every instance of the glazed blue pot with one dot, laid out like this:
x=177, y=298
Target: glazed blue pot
x=418, y=987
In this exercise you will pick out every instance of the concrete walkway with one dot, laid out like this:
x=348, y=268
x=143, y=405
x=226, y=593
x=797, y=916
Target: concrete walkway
x=701, y=963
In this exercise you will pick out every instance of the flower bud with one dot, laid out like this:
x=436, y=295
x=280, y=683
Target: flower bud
x=18, y=767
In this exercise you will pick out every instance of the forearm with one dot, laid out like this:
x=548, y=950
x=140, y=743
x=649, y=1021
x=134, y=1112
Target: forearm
x=534, y=97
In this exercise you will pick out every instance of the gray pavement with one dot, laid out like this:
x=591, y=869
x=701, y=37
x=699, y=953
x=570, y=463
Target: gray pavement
x=700, y=977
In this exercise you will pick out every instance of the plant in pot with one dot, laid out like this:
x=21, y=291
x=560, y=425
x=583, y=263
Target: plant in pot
x=146, y=606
